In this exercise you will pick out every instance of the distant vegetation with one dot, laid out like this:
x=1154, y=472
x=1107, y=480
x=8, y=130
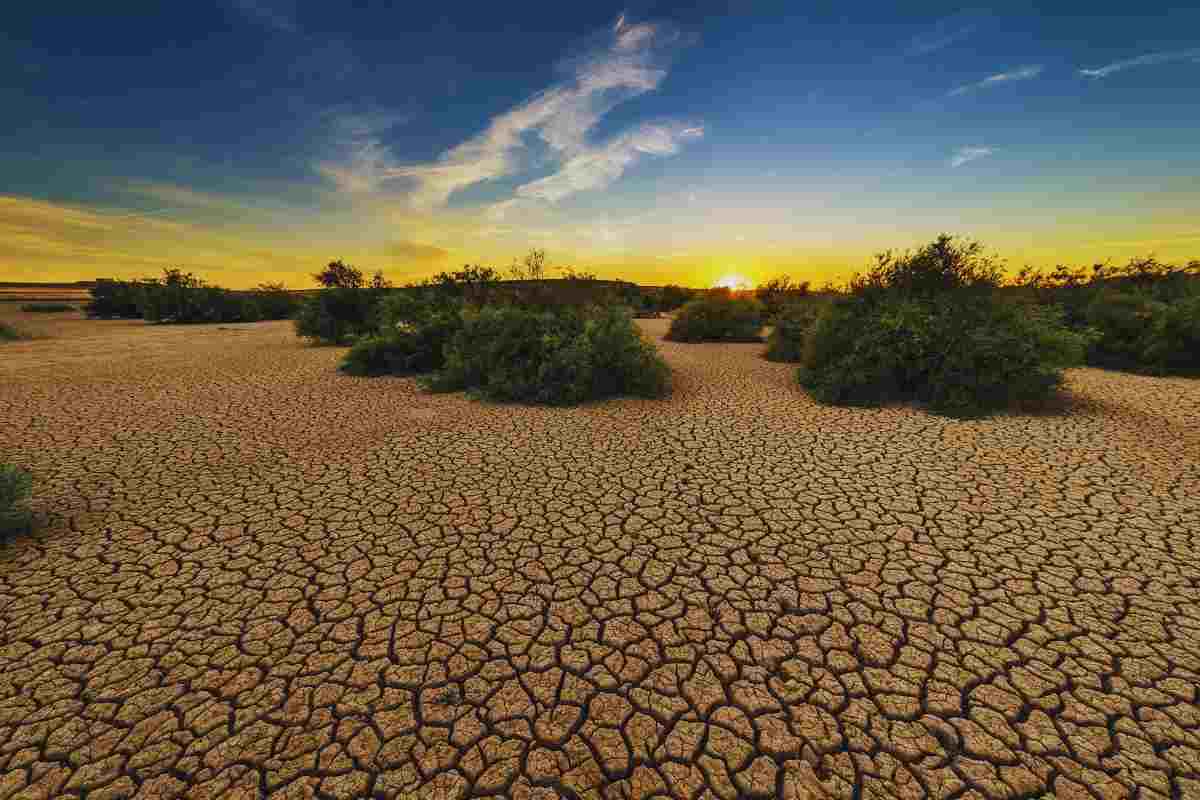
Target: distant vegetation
x=47, y=308
x=718, y=316
x=10, y=334
x=15, y=484
x=1142, y=316
x=181, y=297
x=528, y=340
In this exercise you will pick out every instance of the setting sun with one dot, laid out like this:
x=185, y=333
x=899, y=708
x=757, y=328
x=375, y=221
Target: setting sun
x=732, y=281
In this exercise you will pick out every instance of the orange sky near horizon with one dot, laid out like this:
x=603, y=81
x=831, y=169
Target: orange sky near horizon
x=234, y=247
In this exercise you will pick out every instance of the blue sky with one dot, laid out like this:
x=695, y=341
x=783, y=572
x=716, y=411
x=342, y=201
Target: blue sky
x=256, y=137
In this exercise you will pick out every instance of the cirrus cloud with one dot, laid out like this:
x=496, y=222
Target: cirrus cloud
x=965, y=155
x=1143, y=61
x=632, y=61
x=1020, y=74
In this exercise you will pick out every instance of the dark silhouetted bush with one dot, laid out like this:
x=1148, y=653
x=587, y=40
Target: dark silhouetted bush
x=932, y=326
x=112, y=298
x=719, y=316
x=555, y=356
x=46, y=308
x=671, y=297
x=338, y=275
x=779, y=293
x=338, y=316
x=15, y=484
x=792, y=327
x=274, y=301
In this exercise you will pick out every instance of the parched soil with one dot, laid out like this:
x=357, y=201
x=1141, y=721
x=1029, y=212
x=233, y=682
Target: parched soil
x=254, y=576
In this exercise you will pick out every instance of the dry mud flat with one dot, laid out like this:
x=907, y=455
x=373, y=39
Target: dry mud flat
x=257, y=577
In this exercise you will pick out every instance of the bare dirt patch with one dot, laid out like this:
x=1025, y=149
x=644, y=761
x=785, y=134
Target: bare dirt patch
x=255, y=577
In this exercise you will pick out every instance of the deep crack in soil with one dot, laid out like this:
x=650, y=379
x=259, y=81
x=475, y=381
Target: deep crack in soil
x=254, y=576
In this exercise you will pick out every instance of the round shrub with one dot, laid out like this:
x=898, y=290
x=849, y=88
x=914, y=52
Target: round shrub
x=718, y=317
x=406, y=348
x=556, y=356
x=793, y=325
x=964, y=354
x=337, y=316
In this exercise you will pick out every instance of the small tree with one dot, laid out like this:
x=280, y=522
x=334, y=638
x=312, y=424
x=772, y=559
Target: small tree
x=338, y=275
x=380, y=282
x=779, y=292
x=530, y=268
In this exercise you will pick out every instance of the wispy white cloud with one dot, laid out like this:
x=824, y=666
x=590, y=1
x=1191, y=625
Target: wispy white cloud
x=946, y=32
x=361, y=163
x=632, y=61
x=1020, y=74
x=965, y=155
x=279, y=15
x=1143, y=61
x=597, y=167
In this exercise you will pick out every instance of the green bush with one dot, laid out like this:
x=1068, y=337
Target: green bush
x=10, y=334
x=931, y=326
x=338, y=315
x=406, y=348
x=554, y=356
x=1173, y=344
x=15, y=484
x=792, y=327
x=1123, y=321
x=963, y=355
x=718, y=317
x=46, y=308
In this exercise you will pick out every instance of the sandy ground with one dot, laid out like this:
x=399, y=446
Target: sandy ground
x=254, y=577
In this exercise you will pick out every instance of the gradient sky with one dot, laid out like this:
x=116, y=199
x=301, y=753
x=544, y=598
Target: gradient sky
x=257, y=139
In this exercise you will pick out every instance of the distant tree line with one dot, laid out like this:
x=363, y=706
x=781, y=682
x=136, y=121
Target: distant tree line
x=182, y=297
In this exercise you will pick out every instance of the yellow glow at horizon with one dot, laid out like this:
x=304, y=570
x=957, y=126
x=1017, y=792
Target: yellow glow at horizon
x=732, y=281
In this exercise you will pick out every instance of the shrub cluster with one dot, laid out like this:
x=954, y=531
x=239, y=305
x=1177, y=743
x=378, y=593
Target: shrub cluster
x=182, y=297
x=556, y=356
x=932, y=326
x=792, y=325
x=46, y=308
x=1142, y=316
x=718, y=316
x=779, y=294
x=552, y=354
x=15, y=484
x=339, y=315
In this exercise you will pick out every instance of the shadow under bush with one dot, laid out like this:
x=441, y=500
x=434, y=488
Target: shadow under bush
x=718, y=317
x=556, y=356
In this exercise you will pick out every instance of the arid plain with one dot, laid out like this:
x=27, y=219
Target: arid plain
x=253, y=576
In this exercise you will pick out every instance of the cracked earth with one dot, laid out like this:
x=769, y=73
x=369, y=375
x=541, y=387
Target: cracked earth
x=256, y=577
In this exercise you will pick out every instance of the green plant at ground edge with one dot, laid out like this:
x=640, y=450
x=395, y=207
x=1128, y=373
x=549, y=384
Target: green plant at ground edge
x=15, y=485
